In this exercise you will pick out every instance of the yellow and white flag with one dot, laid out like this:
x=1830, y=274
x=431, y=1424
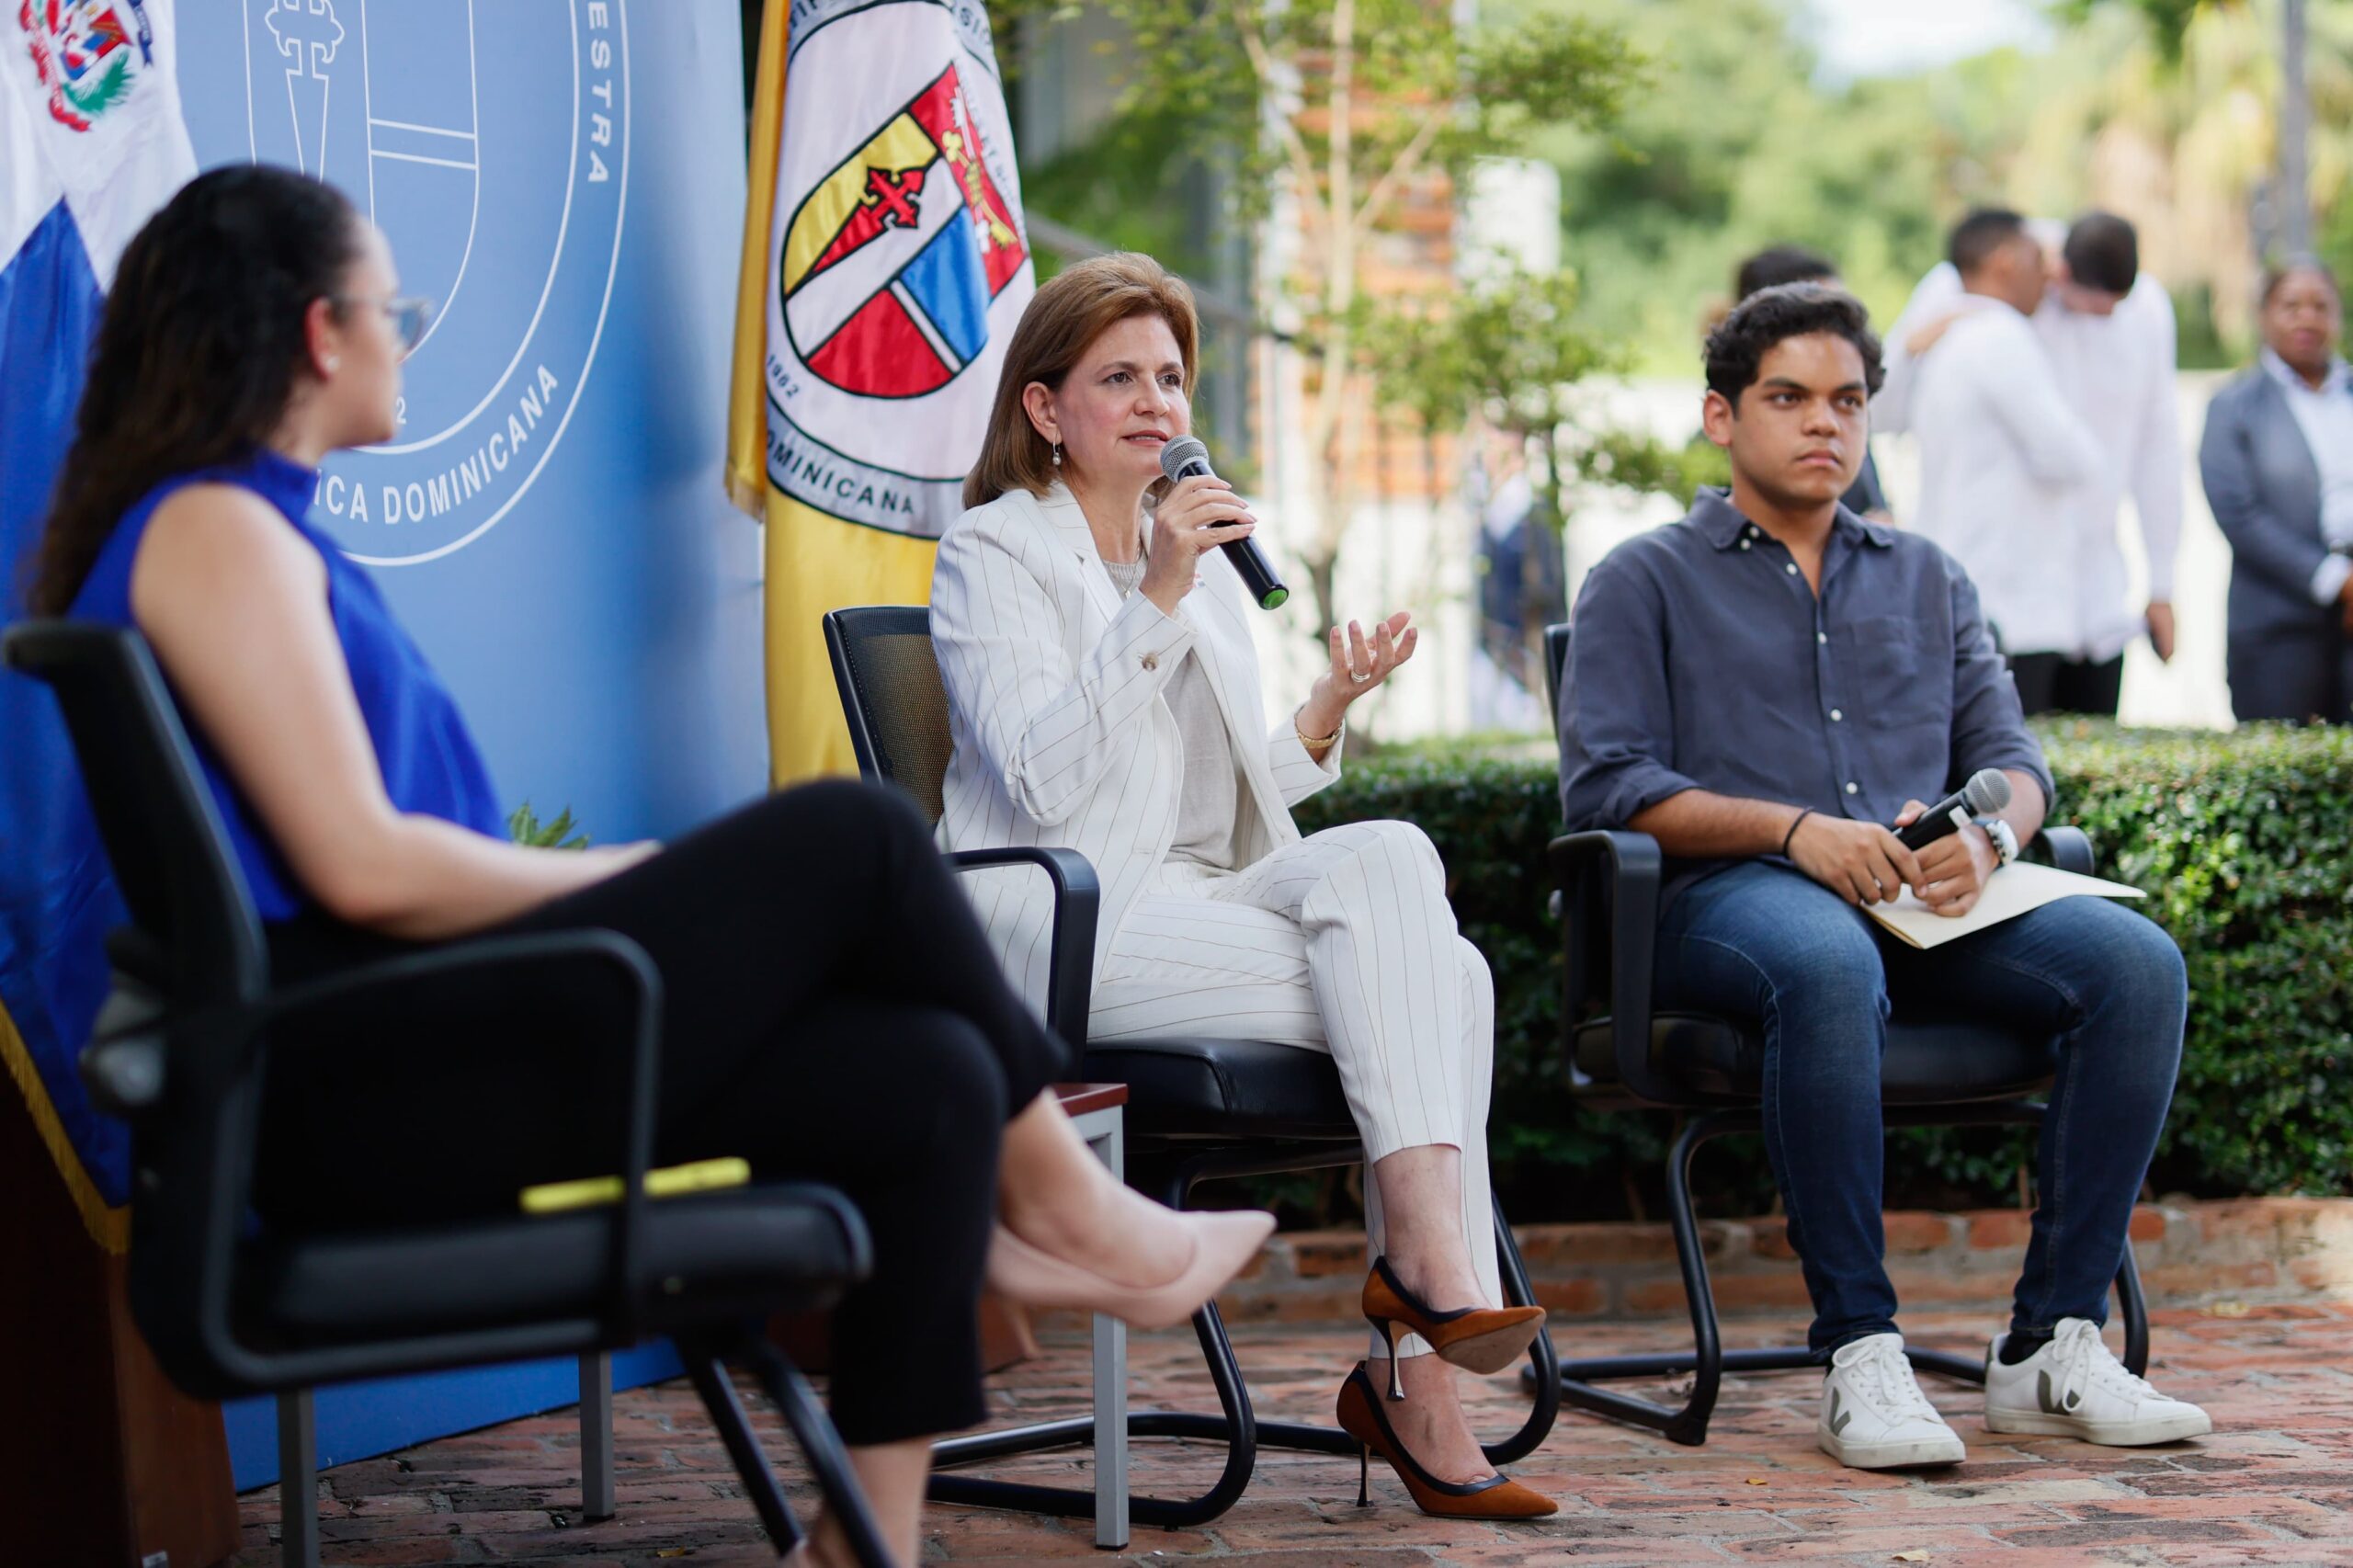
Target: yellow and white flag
x=884, y=267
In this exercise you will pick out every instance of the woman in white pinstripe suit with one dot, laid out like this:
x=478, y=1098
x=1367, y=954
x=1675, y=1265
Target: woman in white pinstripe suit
x=1104, y=696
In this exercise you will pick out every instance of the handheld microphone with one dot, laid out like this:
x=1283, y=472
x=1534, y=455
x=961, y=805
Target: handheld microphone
x=1988, y=792
x=1182, y=459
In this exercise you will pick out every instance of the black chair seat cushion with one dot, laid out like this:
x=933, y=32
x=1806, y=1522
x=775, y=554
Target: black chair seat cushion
x=777, y=1246
x=1928, y=1061
x=1232, y=1090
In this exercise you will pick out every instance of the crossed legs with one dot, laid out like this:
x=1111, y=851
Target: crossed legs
x=1344, y=943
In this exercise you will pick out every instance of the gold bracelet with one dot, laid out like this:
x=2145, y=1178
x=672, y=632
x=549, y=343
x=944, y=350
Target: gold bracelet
x=1313, y=741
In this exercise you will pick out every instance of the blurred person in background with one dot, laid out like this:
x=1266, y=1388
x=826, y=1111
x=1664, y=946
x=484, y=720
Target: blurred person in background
x=2002, y=462
x=2277, y=463
x=2107, y=328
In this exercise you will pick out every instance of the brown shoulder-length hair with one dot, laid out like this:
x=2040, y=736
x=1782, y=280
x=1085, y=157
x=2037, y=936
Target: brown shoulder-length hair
x=1074, y=307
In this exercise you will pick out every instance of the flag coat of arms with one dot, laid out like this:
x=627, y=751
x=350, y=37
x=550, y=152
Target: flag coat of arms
x=92, y=142
x=885, y=267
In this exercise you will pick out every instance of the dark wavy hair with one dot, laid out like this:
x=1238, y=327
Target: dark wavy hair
x=198, y=351
x=1791, y=310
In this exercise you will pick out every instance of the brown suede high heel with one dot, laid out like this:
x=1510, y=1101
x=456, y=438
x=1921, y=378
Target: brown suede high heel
x=1497, y=1498
x=1477, y=1339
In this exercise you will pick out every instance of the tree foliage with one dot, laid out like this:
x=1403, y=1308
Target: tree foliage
x=1328, y=116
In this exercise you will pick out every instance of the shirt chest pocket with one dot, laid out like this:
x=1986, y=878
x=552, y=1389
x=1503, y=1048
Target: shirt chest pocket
x=1883, y=663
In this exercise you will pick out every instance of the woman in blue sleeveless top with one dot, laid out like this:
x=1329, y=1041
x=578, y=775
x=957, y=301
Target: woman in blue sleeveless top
x=831, y=1010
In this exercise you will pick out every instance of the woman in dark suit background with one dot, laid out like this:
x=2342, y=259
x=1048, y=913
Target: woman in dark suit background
x=2278, y=463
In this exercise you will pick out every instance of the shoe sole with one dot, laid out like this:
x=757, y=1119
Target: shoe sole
x=2108, y=1433
x=1891, y=1456
x=1488, y=1354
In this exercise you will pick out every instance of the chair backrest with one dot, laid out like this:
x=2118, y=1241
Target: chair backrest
x=200, y=940
x=1556, y=659
x=893, y=697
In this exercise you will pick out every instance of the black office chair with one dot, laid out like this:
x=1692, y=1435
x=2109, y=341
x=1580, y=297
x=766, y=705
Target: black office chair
x=1198, y=1110
x=232, y=1308
x=1622, y=1054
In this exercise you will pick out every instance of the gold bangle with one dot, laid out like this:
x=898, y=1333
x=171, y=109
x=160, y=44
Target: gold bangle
x=1312, y=740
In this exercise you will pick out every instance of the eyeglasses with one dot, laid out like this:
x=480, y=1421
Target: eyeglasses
x=410, y=317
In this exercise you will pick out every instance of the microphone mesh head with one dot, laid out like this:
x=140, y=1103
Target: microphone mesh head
x=1184, y=449
x=1988, y=790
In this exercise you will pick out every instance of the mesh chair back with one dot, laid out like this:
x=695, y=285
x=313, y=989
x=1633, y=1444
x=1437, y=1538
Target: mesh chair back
x=201, y=941
x=893, y=697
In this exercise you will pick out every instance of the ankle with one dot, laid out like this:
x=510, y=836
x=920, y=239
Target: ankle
x=1433, y=1283
x=2020, y=1343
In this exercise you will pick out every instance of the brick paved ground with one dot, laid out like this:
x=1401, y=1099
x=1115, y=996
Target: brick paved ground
x=2273, y=1486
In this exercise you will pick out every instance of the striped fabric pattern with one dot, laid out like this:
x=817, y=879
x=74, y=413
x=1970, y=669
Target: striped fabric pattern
x=1060, y=735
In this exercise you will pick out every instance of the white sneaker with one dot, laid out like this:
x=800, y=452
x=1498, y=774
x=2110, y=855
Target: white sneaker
x=2074, y=1387
x=1874, y=1415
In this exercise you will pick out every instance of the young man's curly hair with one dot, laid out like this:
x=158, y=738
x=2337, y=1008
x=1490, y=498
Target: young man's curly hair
x=1792, y=310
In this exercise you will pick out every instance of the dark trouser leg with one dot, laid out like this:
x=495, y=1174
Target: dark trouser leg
x=825, y=893
x=2109, y=985
x=833, y=889
x=1766, y=943
x=2297, y=674
x=901, y=1107
x=2089, y=688
x=2037, y=678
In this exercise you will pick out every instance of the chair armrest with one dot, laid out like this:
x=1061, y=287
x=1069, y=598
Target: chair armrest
x=1070, y=972
x=2070, y=849
x=219, y=1058
x=1610, y=882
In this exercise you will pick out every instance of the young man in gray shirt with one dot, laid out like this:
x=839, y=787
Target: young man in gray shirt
x=1763, y=687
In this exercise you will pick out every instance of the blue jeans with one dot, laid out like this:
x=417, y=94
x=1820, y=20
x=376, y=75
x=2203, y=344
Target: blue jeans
x=1764, y=942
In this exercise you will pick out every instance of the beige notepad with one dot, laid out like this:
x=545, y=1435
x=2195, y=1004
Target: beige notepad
x=2011, y=893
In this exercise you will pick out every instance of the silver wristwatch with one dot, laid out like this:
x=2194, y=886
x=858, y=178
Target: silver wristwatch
x=2006, y=842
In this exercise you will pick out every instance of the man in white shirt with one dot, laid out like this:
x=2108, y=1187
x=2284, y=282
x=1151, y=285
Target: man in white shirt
x=2107, y=331
x=2002, y=456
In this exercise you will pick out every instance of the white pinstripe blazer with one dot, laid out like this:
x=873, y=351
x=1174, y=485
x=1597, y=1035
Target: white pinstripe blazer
x=1062, y=735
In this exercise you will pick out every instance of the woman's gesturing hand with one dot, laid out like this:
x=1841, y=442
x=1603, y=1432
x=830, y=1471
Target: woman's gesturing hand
x=1359, y=665
x=1199, y=513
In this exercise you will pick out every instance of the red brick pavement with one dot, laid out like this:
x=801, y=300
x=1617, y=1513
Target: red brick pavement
x=2274, y=1486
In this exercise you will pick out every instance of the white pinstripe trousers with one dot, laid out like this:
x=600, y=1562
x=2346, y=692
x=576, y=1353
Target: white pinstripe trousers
x=1342, y=943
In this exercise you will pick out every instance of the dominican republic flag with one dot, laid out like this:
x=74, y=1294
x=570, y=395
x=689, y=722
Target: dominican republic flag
x=92, y=143
x=885, y=267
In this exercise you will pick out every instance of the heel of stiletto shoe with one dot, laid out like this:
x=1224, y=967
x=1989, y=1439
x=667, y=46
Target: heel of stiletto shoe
x=1396, y=1382
x=1364, y=1476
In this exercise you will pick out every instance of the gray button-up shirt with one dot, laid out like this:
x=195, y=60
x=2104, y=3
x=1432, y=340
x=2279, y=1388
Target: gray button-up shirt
x=1702, y=659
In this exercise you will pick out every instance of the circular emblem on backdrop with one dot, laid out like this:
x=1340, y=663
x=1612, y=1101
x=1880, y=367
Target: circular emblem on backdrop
x=87, y=53
x=899, y=266
x=490, y=143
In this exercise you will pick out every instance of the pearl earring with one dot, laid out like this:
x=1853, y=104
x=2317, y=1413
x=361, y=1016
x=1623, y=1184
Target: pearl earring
x=1058, y=454
x=331, y=362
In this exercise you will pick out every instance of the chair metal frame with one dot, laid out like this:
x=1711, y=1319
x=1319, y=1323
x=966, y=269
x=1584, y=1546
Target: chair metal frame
x=1165, y=1168
x=1608, y=904
x=180, y=1050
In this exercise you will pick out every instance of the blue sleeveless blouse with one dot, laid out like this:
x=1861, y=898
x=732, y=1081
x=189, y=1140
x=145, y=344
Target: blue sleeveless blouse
x=431, y=766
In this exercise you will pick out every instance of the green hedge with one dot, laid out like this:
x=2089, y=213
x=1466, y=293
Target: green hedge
x=2244, y=842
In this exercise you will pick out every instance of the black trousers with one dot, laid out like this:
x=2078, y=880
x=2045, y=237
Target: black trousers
x=830, y=1012
x=2052, y=683
x=2301, y=675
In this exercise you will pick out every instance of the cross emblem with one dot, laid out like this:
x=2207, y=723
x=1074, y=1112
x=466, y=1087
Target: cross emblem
x=306, y=28
x=894, y=195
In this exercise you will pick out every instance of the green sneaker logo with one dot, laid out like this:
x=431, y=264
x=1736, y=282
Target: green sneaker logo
x=2050, y=1405
x=1838, y=1421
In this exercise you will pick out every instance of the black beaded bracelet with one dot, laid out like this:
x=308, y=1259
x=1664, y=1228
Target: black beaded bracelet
x=1803, y=813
